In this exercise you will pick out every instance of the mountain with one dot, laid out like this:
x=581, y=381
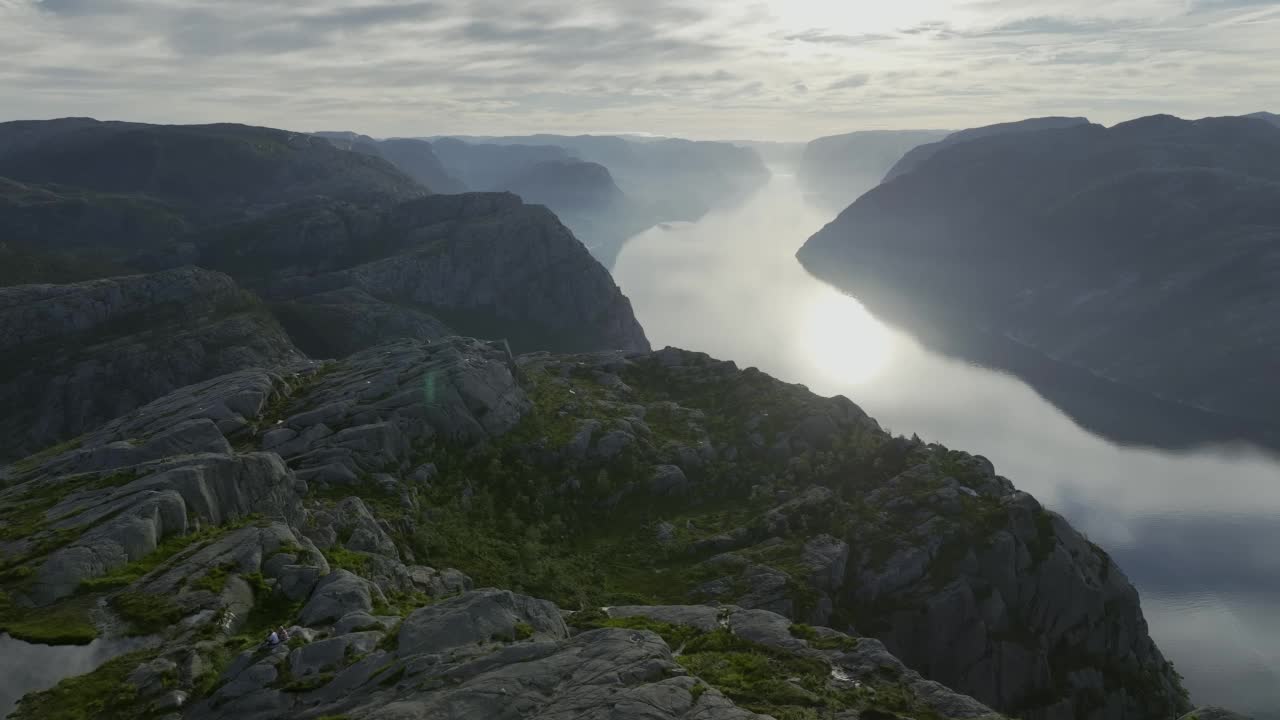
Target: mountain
x=418, y=160
x=487, y=166
x=484, y=264
x=787, y=154
x=241, y=167
x=638, y=182
x=338, y=272
x=657, y=533
x=567, y=185
x=1269, y=117
x=835, y=170
x=415, y=158
x=668, y=178
x=1145, y=253
x=920, y=155
x=83, y=199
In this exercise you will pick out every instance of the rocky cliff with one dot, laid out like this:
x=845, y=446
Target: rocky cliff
x=348, y=250
x=361, y=501
x=481, y=263
x=1116, y=250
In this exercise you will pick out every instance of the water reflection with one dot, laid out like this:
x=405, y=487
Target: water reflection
x=1194, y=529
x=26, y=668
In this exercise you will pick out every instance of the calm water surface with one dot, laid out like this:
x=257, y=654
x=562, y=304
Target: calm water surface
x=25, y=667
x=1198, y=532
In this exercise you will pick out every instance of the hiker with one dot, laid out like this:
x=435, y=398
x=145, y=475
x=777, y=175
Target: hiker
x=273, y=639
x=284, y=634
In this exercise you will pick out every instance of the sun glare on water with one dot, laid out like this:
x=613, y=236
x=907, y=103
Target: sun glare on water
x=841, y=341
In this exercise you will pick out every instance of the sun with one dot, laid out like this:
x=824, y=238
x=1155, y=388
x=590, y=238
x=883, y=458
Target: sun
x=841, y=341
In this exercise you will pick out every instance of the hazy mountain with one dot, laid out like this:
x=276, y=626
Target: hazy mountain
x=567, y=185
x=415, y=158
x=835, y=170
x=487, y=166
x=920, y=155
x=785, y=154
x=1144, y=253
x=675, y=179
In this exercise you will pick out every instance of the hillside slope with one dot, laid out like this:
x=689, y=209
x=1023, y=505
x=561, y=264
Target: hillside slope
x=1147, y=253
x=334, y=497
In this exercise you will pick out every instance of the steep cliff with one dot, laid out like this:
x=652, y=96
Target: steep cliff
x=1144, y=253
x=483, y=264
x=618, y=486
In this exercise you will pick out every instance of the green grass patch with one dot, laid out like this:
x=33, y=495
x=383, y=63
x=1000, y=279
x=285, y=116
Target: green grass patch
x=65, y=623
x=816, y=641
x=343, y=559
x=100, y=695
x=146, y=613
x=676, y=636
x=213, y=581
x=169, y=548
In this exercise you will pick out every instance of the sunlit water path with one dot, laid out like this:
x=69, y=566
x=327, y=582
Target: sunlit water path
x=1197, y=532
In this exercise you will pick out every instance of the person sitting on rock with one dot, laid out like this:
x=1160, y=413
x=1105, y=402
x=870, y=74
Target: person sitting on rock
x=284, y=634
x=273, y=639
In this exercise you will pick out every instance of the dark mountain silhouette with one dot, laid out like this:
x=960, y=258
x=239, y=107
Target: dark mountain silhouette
x=240, y=167
x=1147, y=253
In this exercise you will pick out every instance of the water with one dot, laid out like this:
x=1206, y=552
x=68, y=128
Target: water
x=26, y=668
x=1195, y=530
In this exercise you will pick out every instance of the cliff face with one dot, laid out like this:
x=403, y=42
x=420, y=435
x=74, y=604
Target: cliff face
x=1115, y=250
x=621, y=486
x=484, y=264
x=349, y=250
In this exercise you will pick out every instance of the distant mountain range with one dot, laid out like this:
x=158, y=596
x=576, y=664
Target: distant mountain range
x=1147, y=253
x=835, y=170
x=302, y=247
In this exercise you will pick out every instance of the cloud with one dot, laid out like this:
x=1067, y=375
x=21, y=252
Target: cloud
x=820, y=37
x=701, y=68
x=851, y=82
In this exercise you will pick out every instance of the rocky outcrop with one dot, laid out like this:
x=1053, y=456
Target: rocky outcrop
x=1112, y=250
x=315, y=495
x=75, y=356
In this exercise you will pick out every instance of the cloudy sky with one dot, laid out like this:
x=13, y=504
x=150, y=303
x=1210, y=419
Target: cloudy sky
x=777, y=69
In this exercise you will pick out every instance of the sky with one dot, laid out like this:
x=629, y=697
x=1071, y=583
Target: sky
x=787, y=70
